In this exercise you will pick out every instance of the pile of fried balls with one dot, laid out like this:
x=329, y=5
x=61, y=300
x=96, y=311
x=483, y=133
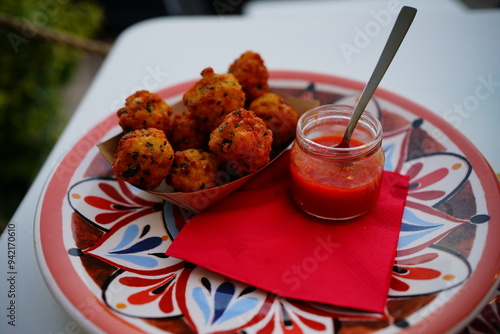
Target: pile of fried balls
x=232, y=122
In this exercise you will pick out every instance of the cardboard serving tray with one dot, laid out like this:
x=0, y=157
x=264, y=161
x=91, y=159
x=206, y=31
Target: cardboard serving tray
x=198, y=201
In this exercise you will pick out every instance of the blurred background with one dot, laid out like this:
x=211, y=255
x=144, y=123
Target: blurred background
x=50, y=51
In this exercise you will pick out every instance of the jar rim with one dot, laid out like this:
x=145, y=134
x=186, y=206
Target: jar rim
x=315, y=116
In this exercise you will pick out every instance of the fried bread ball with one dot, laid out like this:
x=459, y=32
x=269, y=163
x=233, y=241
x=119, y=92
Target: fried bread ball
x=185, y=133
x=144, y=110
x=243, y=141
x=278, y=115
x=194, y=170
x=143, y=158
x=251, y=73
x=213, y=97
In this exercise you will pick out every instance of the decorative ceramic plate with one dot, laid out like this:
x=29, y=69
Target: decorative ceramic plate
x=101, y=243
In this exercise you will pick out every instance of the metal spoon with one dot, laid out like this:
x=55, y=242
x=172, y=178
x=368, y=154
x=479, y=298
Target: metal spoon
x=398, y=33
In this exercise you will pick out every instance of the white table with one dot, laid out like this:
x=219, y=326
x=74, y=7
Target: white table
x=446, y=61
x=325, y=8
x=453, y=47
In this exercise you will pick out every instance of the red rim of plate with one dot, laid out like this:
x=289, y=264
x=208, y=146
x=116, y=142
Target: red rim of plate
x=74, y=295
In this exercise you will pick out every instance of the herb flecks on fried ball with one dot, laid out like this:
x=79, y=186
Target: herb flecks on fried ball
x=143, y=158
x=144, y=110
x=211, y=98
x=278, y=115
x=243, y=141
x=185, y=133
x=251, y=73
x=194, y=170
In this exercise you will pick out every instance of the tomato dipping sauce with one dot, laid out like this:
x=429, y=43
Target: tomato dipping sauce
x=335, y=183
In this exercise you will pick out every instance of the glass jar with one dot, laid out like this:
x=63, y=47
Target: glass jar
x=336, y=183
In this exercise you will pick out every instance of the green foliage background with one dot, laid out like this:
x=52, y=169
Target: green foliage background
x=32, y=75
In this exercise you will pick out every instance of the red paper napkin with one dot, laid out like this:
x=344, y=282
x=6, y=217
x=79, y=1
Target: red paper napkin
x=259, y=237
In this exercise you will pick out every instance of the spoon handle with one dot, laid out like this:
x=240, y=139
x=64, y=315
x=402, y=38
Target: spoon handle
x=398, y=33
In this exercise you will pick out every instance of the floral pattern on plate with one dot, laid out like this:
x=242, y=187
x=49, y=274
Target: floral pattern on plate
x=120, y=235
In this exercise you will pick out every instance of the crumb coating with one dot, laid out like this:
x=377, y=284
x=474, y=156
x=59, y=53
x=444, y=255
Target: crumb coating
x=251, y=73
x=185, y=133
x=278, y=115
x=143, y=158
x=211, y=98
x=194, y=170
x=243, y=141
x=144, y=110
